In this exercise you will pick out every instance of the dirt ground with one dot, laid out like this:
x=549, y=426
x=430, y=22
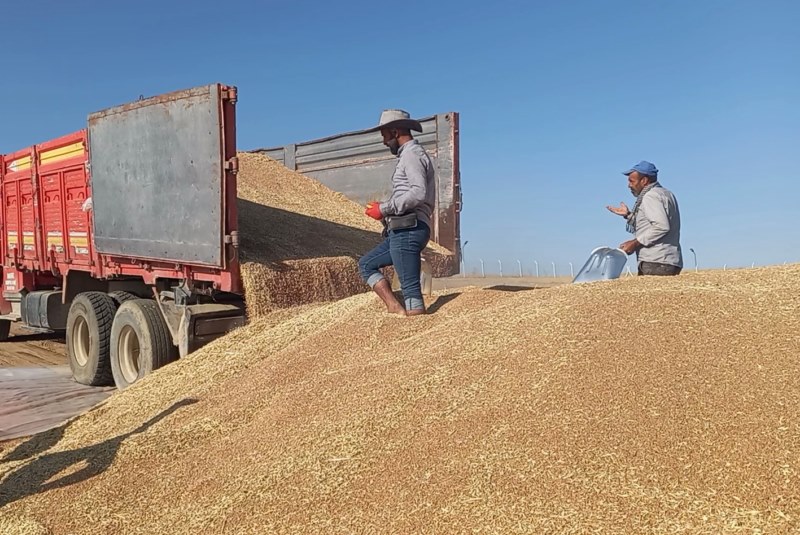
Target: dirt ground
x=26, y=349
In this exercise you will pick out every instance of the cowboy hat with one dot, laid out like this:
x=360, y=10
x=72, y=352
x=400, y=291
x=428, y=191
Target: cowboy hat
x=397, y=119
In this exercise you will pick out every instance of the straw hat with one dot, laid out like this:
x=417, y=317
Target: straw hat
x=397, y=119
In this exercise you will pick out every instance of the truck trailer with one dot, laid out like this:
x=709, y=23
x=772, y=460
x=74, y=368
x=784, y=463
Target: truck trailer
x=124, y=234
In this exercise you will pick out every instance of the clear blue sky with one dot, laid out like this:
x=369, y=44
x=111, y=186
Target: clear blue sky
x=556, y=99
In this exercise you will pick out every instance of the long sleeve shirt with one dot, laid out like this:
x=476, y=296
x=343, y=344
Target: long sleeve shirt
x=413, y=184
x=658, y=228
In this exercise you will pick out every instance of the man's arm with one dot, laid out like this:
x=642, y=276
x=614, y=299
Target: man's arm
x=416, y=172
x=654, y=210
x=630, y=246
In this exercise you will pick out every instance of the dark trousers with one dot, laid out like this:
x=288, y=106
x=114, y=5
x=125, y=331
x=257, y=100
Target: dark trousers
x=662, y=270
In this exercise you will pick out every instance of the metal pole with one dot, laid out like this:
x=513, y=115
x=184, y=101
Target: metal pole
x=501, y=267
x=520, y=268
x=724, y=267
x=554, y=268
x=571, y=272
x=483, y=273
x=695, y=259
x=464, y=260
x=752, y=265
x=537, y=267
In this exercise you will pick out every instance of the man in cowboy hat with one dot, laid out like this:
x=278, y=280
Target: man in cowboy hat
x=655, y=221
x=406, y=215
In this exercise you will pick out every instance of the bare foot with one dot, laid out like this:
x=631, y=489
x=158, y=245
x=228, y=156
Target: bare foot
x=415, y=312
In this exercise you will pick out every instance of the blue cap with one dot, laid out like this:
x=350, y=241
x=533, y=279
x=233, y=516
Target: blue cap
x=643, y=168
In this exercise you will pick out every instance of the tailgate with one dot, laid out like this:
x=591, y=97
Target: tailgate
x=162, y=176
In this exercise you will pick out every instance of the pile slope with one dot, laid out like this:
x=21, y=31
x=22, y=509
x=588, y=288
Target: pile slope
x=644, y=405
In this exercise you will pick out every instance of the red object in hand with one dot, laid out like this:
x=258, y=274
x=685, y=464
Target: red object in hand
x=374, y=210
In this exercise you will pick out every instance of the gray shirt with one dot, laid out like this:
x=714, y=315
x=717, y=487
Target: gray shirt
x=658, y=228
x=413, y=184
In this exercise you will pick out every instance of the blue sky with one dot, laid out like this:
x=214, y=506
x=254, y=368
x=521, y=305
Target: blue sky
x=555, y=98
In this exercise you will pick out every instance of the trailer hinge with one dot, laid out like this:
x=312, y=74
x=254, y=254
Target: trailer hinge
x=232, y=165
x=230, y=94
x=232, y=239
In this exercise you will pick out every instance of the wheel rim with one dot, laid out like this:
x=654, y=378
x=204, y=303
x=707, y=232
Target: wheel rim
x=81, y=342
x=128, y=351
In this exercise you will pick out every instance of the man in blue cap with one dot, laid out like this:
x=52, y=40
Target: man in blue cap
x=655, y=221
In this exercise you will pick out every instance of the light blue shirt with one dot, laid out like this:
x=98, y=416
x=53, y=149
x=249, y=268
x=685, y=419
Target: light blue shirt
x=658, y=228
x=413, y=184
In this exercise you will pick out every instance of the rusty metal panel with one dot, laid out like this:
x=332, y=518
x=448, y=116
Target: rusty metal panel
x=157, y=172
x=358, y=165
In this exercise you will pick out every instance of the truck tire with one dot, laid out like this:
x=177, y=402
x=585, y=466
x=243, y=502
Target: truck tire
x=89, y=337
x=5, y=330
x=120, y=297
x=140, y=342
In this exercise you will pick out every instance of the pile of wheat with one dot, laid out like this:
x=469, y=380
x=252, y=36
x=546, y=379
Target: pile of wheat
x=644, y=405
x=300, y=241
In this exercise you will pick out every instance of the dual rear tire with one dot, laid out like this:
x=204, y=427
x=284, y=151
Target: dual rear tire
x=89, y=338
x=140, y=342
x=116, y=339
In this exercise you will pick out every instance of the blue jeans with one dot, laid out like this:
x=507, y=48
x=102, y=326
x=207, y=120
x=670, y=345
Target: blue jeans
x=402, y=249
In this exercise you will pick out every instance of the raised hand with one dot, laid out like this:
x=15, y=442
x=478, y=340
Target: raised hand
x=622, y=209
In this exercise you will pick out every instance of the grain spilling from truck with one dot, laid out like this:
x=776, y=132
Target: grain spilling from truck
x=643, y=405
x=300, y=241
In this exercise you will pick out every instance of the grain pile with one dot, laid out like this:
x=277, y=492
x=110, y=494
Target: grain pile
x=300, y=241
x=642, y=405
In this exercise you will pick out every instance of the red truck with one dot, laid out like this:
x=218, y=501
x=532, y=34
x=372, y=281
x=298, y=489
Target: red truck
x=124, y=234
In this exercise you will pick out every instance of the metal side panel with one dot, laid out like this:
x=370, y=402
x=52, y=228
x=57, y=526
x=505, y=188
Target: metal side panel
x=358, y=165
x=279, y=154
x=157, y=172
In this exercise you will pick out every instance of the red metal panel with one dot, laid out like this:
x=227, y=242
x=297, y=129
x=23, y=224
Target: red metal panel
x=64, y=190
x=3, y=226
x=20, y=208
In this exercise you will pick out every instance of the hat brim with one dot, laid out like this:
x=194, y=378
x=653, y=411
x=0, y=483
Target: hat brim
x=405, y=124
x=628, y=173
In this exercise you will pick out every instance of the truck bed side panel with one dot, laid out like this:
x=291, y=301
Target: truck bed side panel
x=64, y=190
x=20, y=207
